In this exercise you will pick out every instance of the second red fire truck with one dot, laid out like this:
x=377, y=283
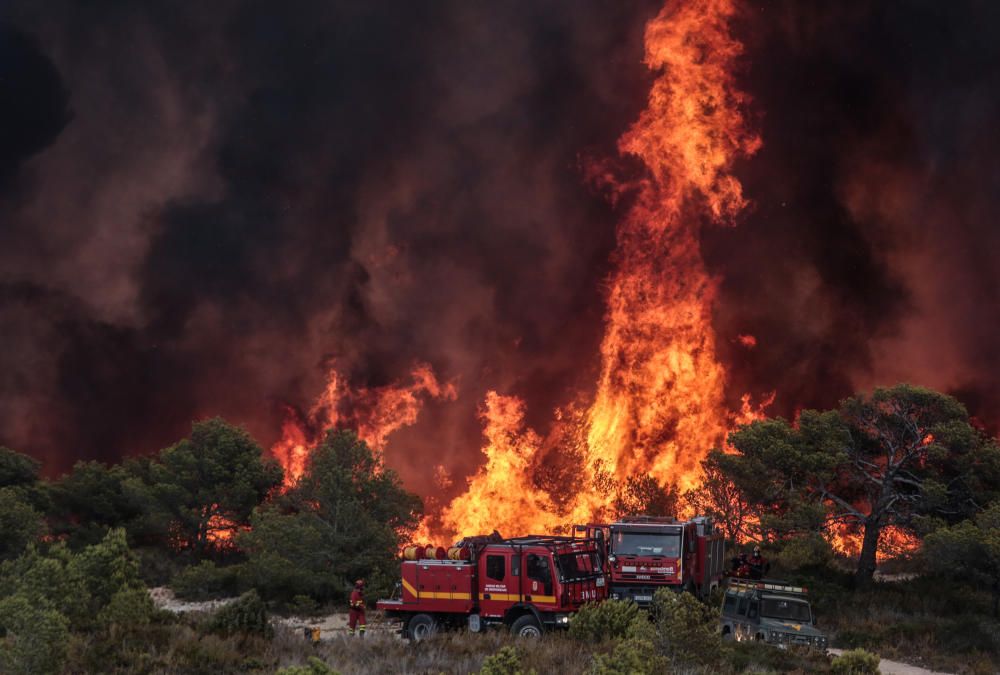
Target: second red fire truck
x=644, y=553
x=528, y=584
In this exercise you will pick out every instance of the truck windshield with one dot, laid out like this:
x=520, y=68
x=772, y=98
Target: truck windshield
x=647, y=543
x=578, y=565
x=784, y=608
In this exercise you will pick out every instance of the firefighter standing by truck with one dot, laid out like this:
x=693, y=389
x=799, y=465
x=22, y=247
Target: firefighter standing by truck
x=357, y=615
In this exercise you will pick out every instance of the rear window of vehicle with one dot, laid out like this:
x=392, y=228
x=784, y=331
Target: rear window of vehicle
x=730, y=604
x=578, y=565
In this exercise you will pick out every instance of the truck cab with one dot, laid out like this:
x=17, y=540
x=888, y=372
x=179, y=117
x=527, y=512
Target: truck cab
x=770, y=611
x=645, y=553
x=527, y=584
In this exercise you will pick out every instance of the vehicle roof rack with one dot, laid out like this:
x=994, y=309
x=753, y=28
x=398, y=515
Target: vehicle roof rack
x=775, y=585
x=655, y=520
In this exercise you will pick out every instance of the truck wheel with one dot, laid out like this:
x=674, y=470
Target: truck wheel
x=420, y=627
x=526, y=626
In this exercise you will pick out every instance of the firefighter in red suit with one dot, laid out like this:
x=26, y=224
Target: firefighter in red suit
x=356, y=620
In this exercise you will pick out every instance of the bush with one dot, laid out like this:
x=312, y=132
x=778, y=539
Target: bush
x=811, y=551
x=129, y=608
x=855, y=662
x=507, y=661
x=608, y=620
x=313, y=667
x=20, y=524
x=106, y=568
x=246, y=615
x=36, y=637
x=205, y=581
x=687, y=630
x=303, y=605
x=630, y=657
x=51, y=580
x=756, y=657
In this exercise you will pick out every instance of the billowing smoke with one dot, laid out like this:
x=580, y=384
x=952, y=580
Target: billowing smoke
x=868, y=258
x=204, y=209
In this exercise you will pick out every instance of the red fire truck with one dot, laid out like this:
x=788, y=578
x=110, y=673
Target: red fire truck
x=644, y=553
x=528, y=584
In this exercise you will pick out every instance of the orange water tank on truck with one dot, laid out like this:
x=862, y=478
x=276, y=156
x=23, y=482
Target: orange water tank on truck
x=526, y=584
x=645, y=553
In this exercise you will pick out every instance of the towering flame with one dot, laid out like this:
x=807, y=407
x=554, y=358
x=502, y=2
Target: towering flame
x=659, y=403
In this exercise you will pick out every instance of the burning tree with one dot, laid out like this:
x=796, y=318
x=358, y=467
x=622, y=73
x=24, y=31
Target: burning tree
x=891, y=459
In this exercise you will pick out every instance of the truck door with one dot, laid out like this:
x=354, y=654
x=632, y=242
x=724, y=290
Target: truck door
x=497, y=585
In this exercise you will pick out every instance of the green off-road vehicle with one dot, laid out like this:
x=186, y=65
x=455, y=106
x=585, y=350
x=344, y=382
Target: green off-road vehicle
x=770, y=611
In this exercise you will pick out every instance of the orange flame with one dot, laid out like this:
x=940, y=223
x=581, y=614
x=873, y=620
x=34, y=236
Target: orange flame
x=893, y=542
x=374, y=413
x=659, y=403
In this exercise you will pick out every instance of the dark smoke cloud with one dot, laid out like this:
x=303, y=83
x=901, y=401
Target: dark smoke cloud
x=203, y=207
x=868, y=258
x=245, y=196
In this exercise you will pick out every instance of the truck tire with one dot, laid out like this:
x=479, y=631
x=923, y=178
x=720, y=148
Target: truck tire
x=526, y=626
x=420, y=627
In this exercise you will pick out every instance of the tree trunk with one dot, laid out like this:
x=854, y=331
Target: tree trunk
x=869, y=547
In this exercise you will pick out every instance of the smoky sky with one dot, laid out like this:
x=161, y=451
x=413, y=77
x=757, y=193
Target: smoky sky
x=203, y=208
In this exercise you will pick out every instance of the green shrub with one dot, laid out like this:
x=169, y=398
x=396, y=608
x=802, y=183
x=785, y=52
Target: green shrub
x=49, y=579
x=855, y=662
x=855, y=639
x=756, y=656
x=20, y=524
x=129, y=608
x=245, y=615
x=303, y=605
x=313, y=667
x=507, y=661
x=35, y=636
x=107, y=568
x=205, y=581
x=630, y=657
x=810, y=551
x=687, y=630
x=608, y=620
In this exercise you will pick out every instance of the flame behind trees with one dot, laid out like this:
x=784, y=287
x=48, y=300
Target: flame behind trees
x=880, y=465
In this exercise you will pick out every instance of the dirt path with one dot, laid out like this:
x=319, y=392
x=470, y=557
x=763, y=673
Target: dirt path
x=895, y=667
x=330, y=625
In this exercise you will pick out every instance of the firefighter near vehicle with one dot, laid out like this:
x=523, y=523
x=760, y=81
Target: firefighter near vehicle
x=527, y=584
x=645, y=553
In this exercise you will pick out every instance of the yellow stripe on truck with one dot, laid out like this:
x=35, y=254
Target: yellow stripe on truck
x=444, y=595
